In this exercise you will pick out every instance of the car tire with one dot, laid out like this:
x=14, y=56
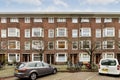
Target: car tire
x=33, y=76
x=54, y=71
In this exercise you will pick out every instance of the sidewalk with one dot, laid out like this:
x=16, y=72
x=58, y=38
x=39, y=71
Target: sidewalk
x=7, y=71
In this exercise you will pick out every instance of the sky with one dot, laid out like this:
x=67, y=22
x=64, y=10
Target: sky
x=59, y=5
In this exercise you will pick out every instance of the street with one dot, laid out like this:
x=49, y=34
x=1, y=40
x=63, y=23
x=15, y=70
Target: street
x=74, y=76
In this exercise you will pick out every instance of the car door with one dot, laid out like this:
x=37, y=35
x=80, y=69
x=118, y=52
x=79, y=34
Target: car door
x=48, y=68
x=40, y=69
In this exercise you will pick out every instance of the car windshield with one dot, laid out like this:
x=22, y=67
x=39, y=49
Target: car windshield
x=108, y=62
x=20, y=65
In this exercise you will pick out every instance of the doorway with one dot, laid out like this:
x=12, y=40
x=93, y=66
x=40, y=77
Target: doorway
x=50, y=58
x=26, y=57
x=73, y=58
x=97, y=58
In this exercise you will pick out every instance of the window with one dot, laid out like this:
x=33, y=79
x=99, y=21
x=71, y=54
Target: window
x=4, y=45
x=108, y=44
x=51, y=45
x=61, y=20
x=13, y=44
x=51, y=33
x=36, y=57
x=27, y=19
x=107, y=20
x=3, y=20
x=118, y=45
x=98, y=33
x=108, y=62
x=37, y=44
x=85, y=32
x=61, y=57
x=74, y=20
x=74, y=45
x=74, y=33
x=13, y=32
x=13, y=57
x=27, y=45
x=37, y=32
x=14, y=20
x=50, y=20
x=98, y=20
x=27, y=33
x=37, y=19
x=62, y=44
x=61, y=32
x=84, y=57
x=85, y=44
x=98, y=45
x=3, y=33
x=108, y=32
x=108, y=55
x=85, y=20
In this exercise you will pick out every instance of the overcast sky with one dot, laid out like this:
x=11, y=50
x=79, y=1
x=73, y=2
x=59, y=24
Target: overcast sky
x=59, y=5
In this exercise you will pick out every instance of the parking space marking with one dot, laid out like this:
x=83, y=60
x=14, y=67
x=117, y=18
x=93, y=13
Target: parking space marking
x=91, y=76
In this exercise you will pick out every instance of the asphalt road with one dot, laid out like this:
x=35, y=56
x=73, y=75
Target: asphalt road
x=74, y=76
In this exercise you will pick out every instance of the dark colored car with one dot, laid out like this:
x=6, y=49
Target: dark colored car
x=34, y=69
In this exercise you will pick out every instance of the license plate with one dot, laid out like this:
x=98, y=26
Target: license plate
x=105, y=70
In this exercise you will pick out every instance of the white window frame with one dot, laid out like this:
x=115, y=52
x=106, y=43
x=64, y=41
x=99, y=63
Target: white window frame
x=27, y=20
x=13, y=32
x=38, y=20
x=3, y=33
x=3, y=20
x=85, y=32
x=82, y=44
x=58, y=59
x=74, y=20
x=14, y=20
x=98, y=20
x=17, y=57
x=27, y=45
x=27, y=33
x=37, y=30
x=37, y=44
x=17, y=45
x=85, y=20
x=51, y=33
x=84, y=57
x=105, y=55
x=107, y=20
x=105, y=44
x=107, y=32
x=51, y=20
x=76, y=44
x=58, y=33
x=74, y=33
x=61, y=20
x=57, y=44
x=49, y=45
x=98, y=33
x=33, y=57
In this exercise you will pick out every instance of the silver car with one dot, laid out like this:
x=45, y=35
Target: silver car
x=34, y=69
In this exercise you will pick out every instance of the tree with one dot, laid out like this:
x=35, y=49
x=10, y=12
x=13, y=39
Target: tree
x=93, y=47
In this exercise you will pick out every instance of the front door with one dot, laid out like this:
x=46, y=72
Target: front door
x=97, y=58
x=73, y=58
x=50, y=58
x=26, y=57
x=118, y=57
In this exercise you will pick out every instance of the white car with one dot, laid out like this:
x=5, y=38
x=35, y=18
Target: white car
x=109, y=66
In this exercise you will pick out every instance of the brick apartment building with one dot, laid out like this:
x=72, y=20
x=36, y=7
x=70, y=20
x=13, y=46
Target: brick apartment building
x=60, y=36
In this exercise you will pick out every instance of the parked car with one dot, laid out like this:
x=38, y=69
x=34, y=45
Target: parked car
x=109, y=66
x=34, y=69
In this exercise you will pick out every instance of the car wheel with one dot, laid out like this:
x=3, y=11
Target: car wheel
x=33, y=76
x=54, y=71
